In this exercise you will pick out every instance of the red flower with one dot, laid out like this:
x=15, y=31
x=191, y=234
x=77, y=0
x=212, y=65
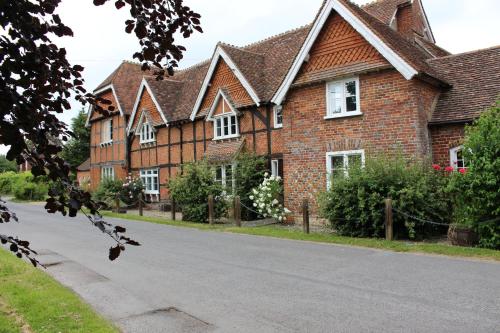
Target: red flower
x=462, y=171
x=449, y=169
x=436, y=167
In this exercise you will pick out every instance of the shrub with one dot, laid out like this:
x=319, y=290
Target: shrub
x=355, y=204
x=131, y=190
x=191, y=190
x=266, y=198
x=7, y=180
x=477, y=193
x=27, y=187
x=108, y=191
x=249, y=174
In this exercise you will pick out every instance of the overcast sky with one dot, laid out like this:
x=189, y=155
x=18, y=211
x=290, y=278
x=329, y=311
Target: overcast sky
x=100, y=43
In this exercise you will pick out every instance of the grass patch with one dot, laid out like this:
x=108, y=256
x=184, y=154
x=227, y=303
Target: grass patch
x=293, y=234
x=28, y=296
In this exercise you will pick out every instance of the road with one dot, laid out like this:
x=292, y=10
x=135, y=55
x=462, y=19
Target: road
x=185, y=280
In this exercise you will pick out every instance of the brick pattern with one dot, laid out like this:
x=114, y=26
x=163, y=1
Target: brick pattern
x=444, y=138
x=224, y=78
x=339, y=45
x=392, y=123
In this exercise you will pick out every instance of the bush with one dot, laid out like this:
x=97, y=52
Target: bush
x=108, y=191
x=7, y=180
x=477, y=191
x=27, y=187
x=191, y=190
x=355, y=204
x=249, y=174
x=266, y=198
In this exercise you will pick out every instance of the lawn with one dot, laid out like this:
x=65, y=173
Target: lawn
x=294, y=234
x=31, y=301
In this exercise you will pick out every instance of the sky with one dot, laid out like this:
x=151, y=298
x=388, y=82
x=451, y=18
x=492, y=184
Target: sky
x=100, y=43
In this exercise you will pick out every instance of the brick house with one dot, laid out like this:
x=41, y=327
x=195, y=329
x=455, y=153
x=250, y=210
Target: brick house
x=358, y=81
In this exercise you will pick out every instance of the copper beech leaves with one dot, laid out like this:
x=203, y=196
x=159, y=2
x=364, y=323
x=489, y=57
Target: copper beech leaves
x=37, y=81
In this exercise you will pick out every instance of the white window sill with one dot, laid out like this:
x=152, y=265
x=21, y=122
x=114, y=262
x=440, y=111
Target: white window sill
x=344, y=115
x=152, y=193
x=107, y=143
x=278, y=126
x=148, y=142
x=227, y=137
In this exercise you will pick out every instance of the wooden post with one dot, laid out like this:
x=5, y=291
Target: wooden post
x=211, y=219
x=237, y=210
x=389, y=233
x=117, y=205
x=141, y=204
x=305, y=214
x=174, y=210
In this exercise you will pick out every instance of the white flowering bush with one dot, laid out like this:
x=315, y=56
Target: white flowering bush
x=266, y=198
x=131, y=190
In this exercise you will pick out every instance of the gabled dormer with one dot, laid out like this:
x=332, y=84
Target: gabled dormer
x=145, y=129
x=224, y=116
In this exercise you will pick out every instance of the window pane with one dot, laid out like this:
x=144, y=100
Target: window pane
x=111, y=129
x=350, y=100
x=226, y=125
x=335, y=95
x=354, y=161
x=337, y=165
x=218, y=175
x=233, y=125
x=460, y=159
x=218, y=125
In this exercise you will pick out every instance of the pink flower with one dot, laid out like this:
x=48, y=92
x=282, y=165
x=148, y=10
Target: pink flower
x=449, y=169
x=462, y=171
x=436, y=167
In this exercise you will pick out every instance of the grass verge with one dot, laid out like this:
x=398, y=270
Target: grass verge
x=288, y=233
x=31, y=301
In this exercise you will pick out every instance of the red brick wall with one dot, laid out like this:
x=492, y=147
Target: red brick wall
x=392, y=122
x=444, y=138
x=110, y=155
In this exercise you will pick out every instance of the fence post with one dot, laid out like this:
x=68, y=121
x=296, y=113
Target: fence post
x=117, y=205
x=237, y=210
x=305, y=214
x=211, y=209
x=141, y=204
x=174, y=209
x=389, y=232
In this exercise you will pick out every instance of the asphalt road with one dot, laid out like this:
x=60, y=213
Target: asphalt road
x=185, y=280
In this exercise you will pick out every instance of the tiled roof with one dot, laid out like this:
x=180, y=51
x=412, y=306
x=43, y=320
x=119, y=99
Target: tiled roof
x=166, y=93
x=126, y=80
x=475, y=80
x=408, y=51
x=384, y=9
x=85, y=166
x=221, y=151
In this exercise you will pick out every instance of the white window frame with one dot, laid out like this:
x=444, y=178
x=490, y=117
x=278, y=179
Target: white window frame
x=107, y=172
x=107, y=131
x=345, y=155
x=343, y=113
x=224, y=179
x=454, y=157
x=145, y=174
x=147, y=137
x=275, y=165
x=278, y=109
x=229, y=117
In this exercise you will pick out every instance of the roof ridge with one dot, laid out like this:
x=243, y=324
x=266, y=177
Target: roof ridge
x=467, y=52
x=281, y=34
x=240, y=48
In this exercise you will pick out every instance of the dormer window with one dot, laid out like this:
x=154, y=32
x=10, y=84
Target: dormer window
x=226, y=127
x=147, y=133
x=224, y=118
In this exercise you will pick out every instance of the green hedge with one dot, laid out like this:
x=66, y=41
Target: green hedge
x=24, y=186
x=355, y=204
